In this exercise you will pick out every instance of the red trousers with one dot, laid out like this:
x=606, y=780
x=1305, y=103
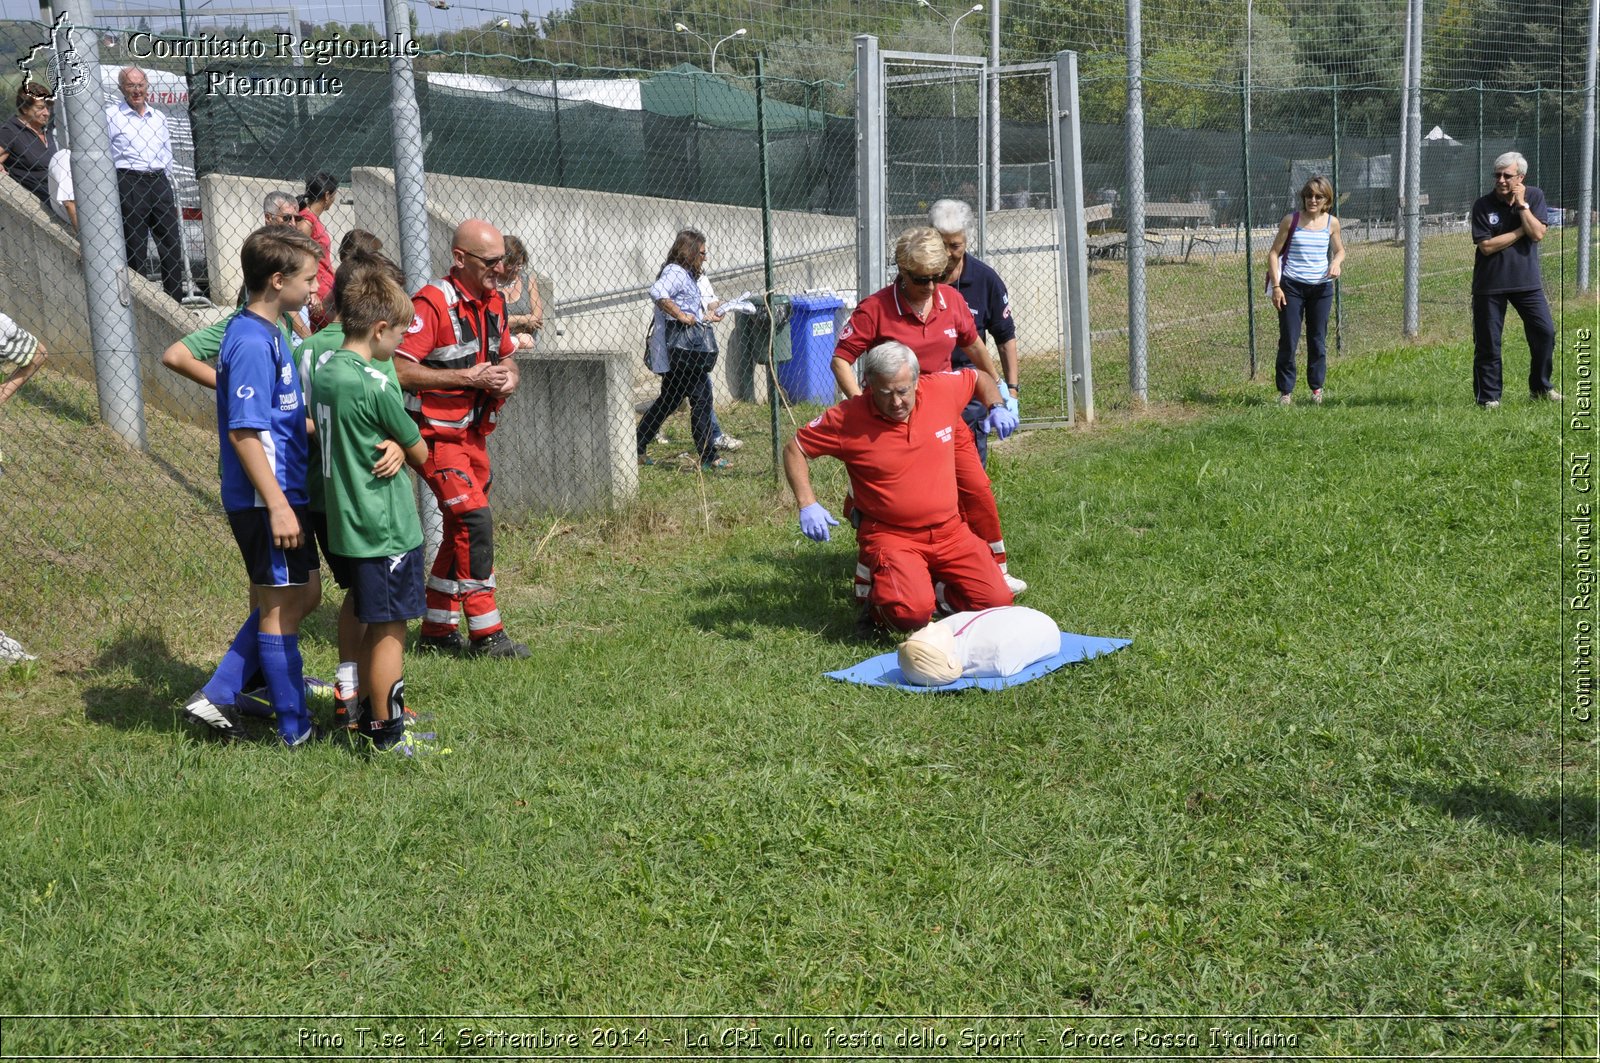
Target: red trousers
x=904, y=573
x=462, y=579
x=975, y=496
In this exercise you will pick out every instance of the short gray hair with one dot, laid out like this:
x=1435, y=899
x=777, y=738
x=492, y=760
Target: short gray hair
x=280, y=203
x=1512, y=158
x=951, y=216
x=886, y=360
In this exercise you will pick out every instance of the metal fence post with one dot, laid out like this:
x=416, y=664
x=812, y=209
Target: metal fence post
x=1538, y=132
x=105, y=268
x=1586, y=178
x=1481, y=170
x=871, y=246
x=1413, y=179
x=555, y=104
x=994, y=105
x=410, y=184
x=1073, y=232
x=1249, y=217
x=1138, y=365
x=411, y=211
x=766, y=254
x=1338, y=303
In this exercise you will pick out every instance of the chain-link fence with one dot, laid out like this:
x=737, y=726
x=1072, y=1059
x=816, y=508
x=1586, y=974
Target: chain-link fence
x=596, y=169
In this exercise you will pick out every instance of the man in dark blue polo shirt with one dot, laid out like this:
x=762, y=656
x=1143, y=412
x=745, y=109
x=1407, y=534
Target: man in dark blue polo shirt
x=990, y=303
x=1507, y=225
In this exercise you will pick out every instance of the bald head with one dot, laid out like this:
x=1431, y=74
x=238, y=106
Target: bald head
x=135, y=86
x=477, y=249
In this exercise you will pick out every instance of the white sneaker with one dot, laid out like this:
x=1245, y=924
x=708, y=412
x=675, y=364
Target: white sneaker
x=1017, y=585
x=727, y=442
x=11, y=650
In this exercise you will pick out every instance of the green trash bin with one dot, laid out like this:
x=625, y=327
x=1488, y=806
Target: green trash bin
x=750, y=346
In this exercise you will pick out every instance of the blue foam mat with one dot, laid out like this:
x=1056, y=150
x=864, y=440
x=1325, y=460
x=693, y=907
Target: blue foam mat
x=884, y=669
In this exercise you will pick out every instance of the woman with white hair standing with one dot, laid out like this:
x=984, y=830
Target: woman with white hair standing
x=919, y=310
x=990, y=302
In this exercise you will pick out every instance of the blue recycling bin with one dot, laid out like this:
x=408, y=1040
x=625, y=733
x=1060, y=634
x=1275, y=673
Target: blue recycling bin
x=808, y=374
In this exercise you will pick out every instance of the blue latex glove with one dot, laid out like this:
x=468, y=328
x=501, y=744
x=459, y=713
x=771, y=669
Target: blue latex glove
x=815, y=521
x=1001, y=421
x=1010, y=401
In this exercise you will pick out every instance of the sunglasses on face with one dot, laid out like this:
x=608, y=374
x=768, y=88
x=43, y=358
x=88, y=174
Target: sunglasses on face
x=929, y=278
x=488, y=263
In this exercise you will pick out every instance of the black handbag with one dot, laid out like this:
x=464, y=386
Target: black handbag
x=691, y=347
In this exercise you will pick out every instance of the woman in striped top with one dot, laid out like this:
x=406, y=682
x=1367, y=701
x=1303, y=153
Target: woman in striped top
x=1304, y=260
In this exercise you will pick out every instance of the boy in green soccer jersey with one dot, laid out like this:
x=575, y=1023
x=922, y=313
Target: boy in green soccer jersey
x=373, y=529
x=390, y=459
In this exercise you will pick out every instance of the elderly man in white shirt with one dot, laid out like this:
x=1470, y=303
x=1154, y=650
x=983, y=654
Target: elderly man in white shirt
x=141, y=150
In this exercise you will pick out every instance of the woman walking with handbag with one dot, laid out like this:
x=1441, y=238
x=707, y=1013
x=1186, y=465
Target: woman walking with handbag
x=1302, y=264
x=683, y=332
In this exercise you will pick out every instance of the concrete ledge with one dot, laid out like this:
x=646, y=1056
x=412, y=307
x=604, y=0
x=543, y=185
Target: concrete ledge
x=42, y=288
x=565, y=440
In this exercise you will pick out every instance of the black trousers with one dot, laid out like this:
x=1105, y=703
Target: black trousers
x=148, y=208
x=690, y=376
x=1488, y=323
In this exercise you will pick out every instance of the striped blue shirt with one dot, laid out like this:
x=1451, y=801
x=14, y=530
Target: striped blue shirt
x=1307, y=260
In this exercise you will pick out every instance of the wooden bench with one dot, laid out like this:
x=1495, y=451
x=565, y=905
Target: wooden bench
x=1183, y=223
x=1102, y=244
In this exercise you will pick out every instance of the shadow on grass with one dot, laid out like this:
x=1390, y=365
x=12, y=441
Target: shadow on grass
x=203, y=494
x=136, y=682
x=1540, y=818
x=1393, y=400
x=808, y=590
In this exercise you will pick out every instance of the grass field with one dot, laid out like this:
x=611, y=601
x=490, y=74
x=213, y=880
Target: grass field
x=1327, y=787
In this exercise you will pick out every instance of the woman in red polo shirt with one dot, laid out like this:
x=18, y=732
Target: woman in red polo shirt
x=933, y=319
x=321, y=191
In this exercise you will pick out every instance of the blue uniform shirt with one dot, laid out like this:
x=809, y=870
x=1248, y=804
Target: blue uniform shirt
x=989, y=301
x=258, y=388
x=1514, y=268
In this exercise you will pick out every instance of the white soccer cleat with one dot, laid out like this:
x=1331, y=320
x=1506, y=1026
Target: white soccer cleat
x=1017, y=585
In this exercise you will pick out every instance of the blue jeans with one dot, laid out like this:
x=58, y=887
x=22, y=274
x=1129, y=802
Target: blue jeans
x=1311, y=302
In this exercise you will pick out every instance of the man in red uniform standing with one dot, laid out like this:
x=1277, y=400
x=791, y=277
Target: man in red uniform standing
x=898, y=442
x=450, y=364
x=931, y=318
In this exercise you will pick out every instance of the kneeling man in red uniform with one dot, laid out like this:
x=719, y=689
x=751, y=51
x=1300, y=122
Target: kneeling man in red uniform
x=898, y=443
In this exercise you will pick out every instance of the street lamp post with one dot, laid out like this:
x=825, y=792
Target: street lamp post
x=740, y=32
x=499, y=24
x=973, y=10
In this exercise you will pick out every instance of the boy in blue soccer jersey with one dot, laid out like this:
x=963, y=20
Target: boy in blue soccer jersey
x=261, y=424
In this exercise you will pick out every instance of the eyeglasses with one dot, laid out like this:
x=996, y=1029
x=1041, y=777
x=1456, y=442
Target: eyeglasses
x=488, y=263
x=1506, y=176
x=281, y=219
x=929, y=278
